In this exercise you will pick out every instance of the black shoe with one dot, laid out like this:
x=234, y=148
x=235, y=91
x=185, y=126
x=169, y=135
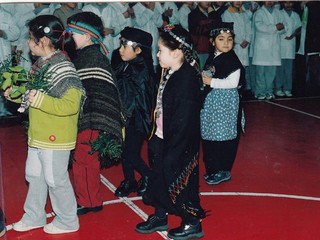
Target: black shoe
x=186, y=231
x=126, y=187
x=142, y=185
x=153, y=224
x=83, y=210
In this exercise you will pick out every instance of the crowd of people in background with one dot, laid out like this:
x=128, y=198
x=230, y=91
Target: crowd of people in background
x=123, y=52
x=277, y=42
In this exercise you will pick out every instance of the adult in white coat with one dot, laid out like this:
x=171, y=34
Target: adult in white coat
x=284, y=75
x=148, y=18
x=24, y=13
x=184, y=11
x=171, y=11
x=242, y=29
x=116, y=16
x=9, y=32
x=269, y=24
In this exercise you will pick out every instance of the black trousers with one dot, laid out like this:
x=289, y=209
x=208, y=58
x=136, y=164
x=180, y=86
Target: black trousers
x=132, y=155
x=219, y=155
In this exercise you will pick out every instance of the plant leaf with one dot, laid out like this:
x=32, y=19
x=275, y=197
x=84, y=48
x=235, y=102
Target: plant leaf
x=7, y=83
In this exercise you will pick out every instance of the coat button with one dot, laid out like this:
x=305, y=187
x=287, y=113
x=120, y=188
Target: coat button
x=52, y=138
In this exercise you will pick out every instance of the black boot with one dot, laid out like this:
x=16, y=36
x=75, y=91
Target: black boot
x=186, y=231
x=126, y=187
x=153, y=224
x=142, y=185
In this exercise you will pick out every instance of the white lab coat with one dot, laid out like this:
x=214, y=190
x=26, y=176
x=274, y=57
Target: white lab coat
x=183, y=16
x=11, y=33
x=91, y=7
x=149, y=21
x=267, y=37
x=288, y=47
x=242, y=29
x=112, y=17
x=23, y=15
x=174, y=19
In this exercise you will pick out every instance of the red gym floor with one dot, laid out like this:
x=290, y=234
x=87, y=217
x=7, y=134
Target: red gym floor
x=274, y=193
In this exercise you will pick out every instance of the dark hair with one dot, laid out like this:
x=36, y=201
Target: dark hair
x=178, y=38
x=51, y=27
x=90, y=19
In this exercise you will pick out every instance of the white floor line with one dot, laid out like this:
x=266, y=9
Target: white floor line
x=251, y=194
x=292, y=109
x=129, y=203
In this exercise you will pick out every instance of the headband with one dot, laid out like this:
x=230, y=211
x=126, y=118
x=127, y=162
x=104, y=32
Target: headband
x=181, y=40
x=217, y=31
x=81, y=28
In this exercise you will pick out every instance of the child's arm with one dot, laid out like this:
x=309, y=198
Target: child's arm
x=68, y=104
x=229, y=82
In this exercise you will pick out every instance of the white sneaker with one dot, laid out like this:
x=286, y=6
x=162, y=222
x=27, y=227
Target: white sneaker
x=280, y=93
x=288, y=93
x=260, y=96
x=52, y=229
x=269, y=96
x=22, y=227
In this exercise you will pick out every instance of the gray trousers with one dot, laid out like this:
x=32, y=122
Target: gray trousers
x=47, y=170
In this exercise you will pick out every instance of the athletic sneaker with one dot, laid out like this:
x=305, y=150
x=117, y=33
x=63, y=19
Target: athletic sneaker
x=52, y=229
x=279, y=93
x=269, y=96
x=260, y=96
x=288, y=93
x=22, y=227
x=219, y=177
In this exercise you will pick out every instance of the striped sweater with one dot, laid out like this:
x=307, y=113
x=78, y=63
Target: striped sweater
x=102, y=108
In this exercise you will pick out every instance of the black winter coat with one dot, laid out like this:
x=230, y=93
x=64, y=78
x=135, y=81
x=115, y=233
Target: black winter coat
x=137, y=90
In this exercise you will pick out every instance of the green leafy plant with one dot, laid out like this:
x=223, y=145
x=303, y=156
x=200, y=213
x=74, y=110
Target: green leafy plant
x=109, y=149
x=19, y=80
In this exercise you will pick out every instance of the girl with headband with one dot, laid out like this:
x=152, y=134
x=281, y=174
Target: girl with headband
x=221, y=115
x=173, y=186
x=52, y=132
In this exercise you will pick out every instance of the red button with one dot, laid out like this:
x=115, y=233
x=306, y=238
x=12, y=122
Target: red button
x=52, y=138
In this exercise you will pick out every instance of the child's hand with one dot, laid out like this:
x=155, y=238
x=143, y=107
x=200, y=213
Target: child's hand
x=32, y=95
x=206, y=80
x=7, y=92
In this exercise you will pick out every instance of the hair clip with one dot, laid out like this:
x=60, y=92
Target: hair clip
x=46, y=30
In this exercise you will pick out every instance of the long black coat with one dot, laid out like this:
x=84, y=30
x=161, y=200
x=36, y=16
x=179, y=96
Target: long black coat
x=174, y=184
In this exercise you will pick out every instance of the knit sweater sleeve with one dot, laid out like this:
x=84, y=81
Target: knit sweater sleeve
x=68, y=104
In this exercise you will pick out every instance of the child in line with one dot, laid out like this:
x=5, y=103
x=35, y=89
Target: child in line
x=101, y=117
x=135, y=78
x=221, y=113
x=52, y=132
x=173, y=186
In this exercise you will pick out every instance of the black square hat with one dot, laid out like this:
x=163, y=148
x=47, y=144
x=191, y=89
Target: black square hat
x=137, y=35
